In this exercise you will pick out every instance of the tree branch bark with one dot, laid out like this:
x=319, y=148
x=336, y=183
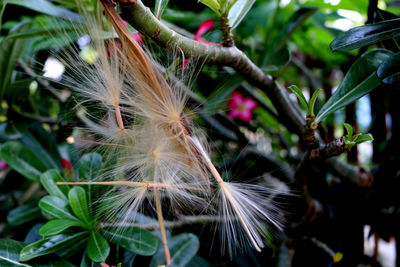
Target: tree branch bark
x=141, y=18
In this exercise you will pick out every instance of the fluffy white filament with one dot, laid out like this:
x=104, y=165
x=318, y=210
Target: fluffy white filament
x=144, y=133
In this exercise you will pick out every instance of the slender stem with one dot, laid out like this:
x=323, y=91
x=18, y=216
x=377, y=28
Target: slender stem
x=119, y=117
x=162, y=227
x=227, y=38
x=144, y=21
x=180, y=222
x=127, y=183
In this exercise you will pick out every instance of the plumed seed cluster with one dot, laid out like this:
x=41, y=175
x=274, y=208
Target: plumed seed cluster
x=156, y=156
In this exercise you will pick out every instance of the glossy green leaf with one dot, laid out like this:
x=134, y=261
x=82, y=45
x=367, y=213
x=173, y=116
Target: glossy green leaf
x=136, y=240
x=2, y=7
x=198, y=261
x=277, y=54
x=277, y=60
x=213, y=5
x=366, y=35
x=51, y=245
x=89, y=166
x=291, y=26
x=312, y=102
x=160, y=7
x=9, y=253
x=98, y=248
x=10, y=52
x=363, y=138
x=299, y=95
x=22, y=159
x=48, y=30
x=43, y=144
x=55, y=227
x=49, y=180
x=56, y=207
x=79, y=205
x=182, y=247
x=389, y=71
x=238, y=11
x=23, y=214
x=358, y=81
x=33, y=234
x=46, y=7
x=349, y=130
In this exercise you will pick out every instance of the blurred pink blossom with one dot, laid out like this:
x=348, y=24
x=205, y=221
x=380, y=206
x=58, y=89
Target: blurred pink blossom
x=241, y=107
x=137, y=35
x=3, y=165
x=204, y=27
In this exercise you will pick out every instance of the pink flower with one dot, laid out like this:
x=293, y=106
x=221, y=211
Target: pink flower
x=137, y=35
x=3, y=165
x=138, y=38
x=241, y=107
x=103, y=264
x=204, y=27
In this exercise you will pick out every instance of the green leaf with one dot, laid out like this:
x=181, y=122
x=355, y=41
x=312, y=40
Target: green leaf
x=363, y=138
x=98, y=248
x=389, y=71
x=10, y=52
x=312, y=102
x=22, y=159
x=51, y=245
x=182, y=247
x=49, y=180
x=218, y=98
x=23, y=214
x=89, y=166
x=46, y=7
x=213, y=4
x=277, y=60
x=198, y=261
x=2, y=7
x=55, y=227
x=56, y=207
x=291, y=26
x=358, y=81
x=366, y=35
x=134, y=239
x=299, y=95
x=238, y=11
x=9, y=253
x=349, y=130
x=160, y=7
x=41, y=140
x=79, y=205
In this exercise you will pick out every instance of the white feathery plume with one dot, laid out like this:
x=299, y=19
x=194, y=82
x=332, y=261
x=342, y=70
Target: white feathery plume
x=243, y=207
x=157, y=150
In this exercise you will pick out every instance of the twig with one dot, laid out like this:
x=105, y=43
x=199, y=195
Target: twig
x=41, y=80
x=334, y=148
x=38, y=118
x=182, y=221
x=127, y=183
x=144, y=21
x=227, y=38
